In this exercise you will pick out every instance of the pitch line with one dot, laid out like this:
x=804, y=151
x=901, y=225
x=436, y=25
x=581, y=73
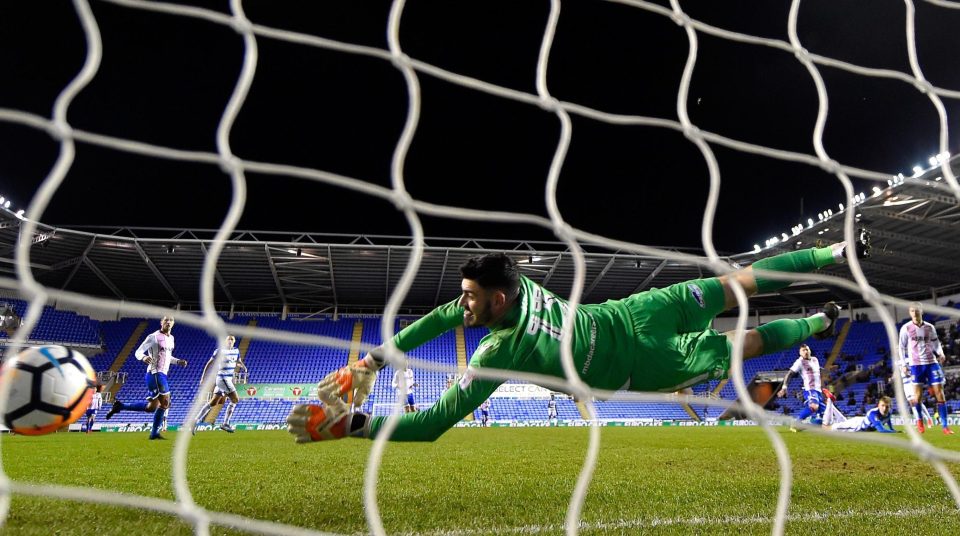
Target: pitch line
x=623, y=524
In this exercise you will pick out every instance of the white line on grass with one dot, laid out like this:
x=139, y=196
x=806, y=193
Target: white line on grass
x=622, y=524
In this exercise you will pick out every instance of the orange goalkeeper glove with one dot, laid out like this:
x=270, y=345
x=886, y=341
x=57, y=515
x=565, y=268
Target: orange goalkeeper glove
x=309, y=422
x=356, y=379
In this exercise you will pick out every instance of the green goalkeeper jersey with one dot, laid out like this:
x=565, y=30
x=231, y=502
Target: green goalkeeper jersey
x=655, y=340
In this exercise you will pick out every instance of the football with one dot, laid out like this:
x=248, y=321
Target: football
x=49, y=387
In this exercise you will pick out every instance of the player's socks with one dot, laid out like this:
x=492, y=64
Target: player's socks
x=805, y=260
x=926, y=414
x=916, y=415
x=226, y=418
x=157, y=421
x=136, y=406
x=787, y=332
x=204, y=411
x=942, y=411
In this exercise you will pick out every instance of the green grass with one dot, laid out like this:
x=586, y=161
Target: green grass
x=491, y=481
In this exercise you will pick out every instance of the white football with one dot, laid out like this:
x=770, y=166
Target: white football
x=49, y=387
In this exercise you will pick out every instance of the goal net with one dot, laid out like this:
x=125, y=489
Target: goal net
x=258, y=46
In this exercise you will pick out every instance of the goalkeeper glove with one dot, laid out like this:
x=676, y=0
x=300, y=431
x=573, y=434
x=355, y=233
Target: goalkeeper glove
x=356, y=379
x=309, y=422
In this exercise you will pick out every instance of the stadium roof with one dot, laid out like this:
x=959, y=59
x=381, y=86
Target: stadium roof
x=915, y=225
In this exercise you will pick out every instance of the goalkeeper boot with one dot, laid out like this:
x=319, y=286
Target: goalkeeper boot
x=920, y=427
x=947, y=431
x=114, y=409
x=863, y=243
x=832, y=310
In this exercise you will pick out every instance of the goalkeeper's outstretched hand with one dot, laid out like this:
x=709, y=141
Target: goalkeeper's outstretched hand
x=310, y=422
x=317, y=423
x=356, y=379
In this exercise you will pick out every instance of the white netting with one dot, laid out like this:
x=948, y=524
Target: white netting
x=412, y=209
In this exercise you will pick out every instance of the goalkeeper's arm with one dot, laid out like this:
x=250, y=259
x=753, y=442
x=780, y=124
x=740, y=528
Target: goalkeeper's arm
x=358, y=379
x=335, y=421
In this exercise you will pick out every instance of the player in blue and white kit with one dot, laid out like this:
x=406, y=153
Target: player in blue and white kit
x=919, y=409
x=224, y=390
x=485, y=412
x=876, y=420
x=95, y=403
x=552, y=409
x=920, y=347
x=409, y=383
x=156, y=352
x=808, y=366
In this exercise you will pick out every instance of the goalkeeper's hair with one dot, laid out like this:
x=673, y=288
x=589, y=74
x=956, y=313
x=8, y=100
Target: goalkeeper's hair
x=493, y=271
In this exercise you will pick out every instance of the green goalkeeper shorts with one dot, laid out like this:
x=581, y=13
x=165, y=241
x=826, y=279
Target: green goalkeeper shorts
x=677, y=347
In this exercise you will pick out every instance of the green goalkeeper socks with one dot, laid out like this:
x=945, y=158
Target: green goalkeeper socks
x=785, y=333
x=806, y=260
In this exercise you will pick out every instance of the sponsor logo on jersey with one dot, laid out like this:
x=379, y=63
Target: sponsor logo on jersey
x=697, y=294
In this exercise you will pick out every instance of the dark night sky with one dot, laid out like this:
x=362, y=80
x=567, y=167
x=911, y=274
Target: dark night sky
x=166, y=79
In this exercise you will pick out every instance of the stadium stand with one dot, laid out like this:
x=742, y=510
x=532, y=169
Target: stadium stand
x=59, y=327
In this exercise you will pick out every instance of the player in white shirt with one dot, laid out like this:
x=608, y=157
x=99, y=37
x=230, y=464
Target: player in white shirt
x=95, y=403
x=410, y=383
x=224, y=390
x=156, y=352
x=920, y=348
x=552, y=409
x=808, y=366
x=485, y=412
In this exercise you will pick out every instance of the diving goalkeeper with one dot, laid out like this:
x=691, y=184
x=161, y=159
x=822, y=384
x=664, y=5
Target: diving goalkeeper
x=656, y=340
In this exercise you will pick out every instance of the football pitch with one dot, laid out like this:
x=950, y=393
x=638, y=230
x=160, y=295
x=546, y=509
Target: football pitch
x=491, y=481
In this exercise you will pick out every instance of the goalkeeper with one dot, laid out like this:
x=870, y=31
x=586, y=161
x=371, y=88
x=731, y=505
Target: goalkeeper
x=657, y=340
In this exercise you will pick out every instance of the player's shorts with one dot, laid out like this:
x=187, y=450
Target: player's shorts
x=931, y=374
x=678, y=346
x=551, y=413
x=814, y=396
x=853, y=424
x=156, y=385
x=410, y=399
x=908, y=384
x=91, y=412
x=224, y=386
